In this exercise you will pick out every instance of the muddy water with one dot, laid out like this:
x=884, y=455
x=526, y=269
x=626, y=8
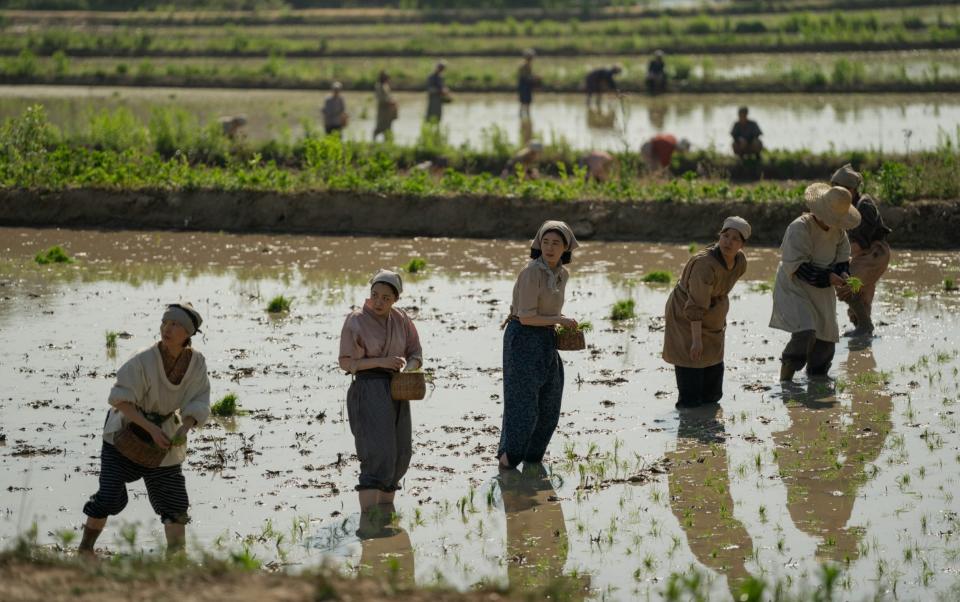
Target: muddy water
x=895, y=123
x=777, y=479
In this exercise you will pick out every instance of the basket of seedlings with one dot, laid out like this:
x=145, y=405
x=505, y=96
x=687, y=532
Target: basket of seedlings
x=572, y=339
x=408, y=386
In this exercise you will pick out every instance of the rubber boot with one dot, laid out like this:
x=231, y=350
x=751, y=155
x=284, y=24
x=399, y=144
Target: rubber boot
x=864, y=325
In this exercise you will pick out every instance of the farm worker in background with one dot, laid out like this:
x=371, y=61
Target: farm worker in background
x=376, y=341
x=334, y=110
x=657, y=152
x=696, y=315
x=656, y=79
x=869, y=252
x=526, y=82
x=528, y=157
x=386, y=107
x=746, y=135
x=437, y=92
x=815, y=255
x=532, y=370
x=159, y=395
x=230, y=125
x=599, y=81
x=599, y=165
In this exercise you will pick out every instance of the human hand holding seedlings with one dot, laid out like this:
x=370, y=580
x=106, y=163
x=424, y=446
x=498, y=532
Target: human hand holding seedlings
x=838, y=281
x=566, y=322
x=132, y=413
x=180, y=437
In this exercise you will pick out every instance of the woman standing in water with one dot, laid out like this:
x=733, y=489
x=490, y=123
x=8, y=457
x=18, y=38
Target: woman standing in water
x=532, y=370
x=696, y=315
x=377, y=341
x=159, y=395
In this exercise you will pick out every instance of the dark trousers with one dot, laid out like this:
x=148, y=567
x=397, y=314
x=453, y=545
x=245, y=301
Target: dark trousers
x=382, y=431
x=805, y=349
x=698, y=386
x=532, y=392
x=166, y=488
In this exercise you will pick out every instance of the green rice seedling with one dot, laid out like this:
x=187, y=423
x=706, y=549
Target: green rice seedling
x=658, y=277
x=279, y=304
x=417, y=264
x=54, y=254
x=855, y=284
x=227, y=406
x=692, y=248
x=949, y=284
x=623, y=310
x=585, y=326
x=111, y=338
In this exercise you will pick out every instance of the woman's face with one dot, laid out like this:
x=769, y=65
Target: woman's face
x=730, y=241
x=552, y=247
x=382, y=298
x=172, y=334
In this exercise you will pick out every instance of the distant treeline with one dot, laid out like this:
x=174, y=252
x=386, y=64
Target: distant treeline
x=125, y=5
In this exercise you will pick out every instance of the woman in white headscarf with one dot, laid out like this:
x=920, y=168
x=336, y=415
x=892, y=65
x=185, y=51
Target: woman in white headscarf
x=532, y=370
x=815, y=256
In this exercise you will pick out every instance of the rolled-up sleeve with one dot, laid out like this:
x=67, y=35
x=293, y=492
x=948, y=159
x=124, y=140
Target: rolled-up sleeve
x=699, y=291
x=350, y=348
x=198, y=407
x=797, y=248
x=528, y=293
x=130, y=385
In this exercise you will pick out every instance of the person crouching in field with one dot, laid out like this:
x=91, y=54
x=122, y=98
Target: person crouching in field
x=815, y=256
x=696, y=315
x=532, y=370
x=378, y=340
x=159, y=395
x=869, y=253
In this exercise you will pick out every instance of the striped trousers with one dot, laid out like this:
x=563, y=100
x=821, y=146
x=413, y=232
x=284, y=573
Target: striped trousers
x=166, y=488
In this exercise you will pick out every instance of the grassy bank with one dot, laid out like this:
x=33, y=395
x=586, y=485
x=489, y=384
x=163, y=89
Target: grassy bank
x=174, y=151
x=689, y=74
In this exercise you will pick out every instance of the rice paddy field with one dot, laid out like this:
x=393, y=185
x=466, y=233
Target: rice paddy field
x=839, y=489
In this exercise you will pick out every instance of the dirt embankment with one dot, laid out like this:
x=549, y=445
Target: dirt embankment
x=920, y=224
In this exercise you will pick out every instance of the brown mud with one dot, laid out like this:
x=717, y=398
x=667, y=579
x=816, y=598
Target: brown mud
x=920, y=224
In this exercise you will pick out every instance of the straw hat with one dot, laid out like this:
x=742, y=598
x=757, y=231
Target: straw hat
x=832, y=205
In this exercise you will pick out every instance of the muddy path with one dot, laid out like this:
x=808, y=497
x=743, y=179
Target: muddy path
x=860, y=470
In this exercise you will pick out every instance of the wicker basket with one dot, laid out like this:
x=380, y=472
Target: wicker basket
x=135, y=448
x=408, y=386
x=571, y=340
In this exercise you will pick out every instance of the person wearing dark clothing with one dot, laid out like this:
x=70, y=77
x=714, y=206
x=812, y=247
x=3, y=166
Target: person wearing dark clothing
x=746, y=135
x=437, y=92
x=869, y=253
x=656, y=79
x=599, y=81
x=526, y=82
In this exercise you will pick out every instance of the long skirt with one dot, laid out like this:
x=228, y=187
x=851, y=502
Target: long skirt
x=382, y=431
x=532, y=392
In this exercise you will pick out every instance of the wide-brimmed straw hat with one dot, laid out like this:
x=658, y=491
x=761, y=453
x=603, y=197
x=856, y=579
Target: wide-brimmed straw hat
x=832, y=205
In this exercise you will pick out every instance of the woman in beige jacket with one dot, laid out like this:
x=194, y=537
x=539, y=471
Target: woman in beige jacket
x=696, y=315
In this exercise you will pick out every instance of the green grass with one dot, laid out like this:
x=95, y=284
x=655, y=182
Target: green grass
x=658, y=277
x=279, y=304
x=623, y=310
x=417, y=264
x=54, y=254
x=227, y=406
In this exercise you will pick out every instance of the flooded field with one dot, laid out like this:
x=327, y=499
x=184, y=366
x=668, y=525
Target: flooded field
x=861, y=471
x=889, y=122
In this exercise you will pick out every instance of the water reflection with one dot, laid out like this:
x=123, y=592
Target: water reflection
x=387, y=553
x=537, y=544
x=700, y=495
x=824, y=454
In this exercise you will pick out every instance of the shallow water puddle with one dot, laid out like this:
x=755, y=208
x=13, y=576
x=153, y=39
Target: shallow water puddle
x=860, y=471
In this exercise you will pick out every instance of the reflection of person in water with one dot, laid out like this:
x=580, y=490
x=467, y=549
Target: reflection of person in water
x=823, y=454
x=700, y=495
x=387, y=554
x=536, y=532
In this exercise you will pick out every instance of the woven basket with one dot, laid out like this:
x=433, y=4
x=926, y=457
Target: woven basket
x=133, y=447
x=568, y=340
x=408, y=386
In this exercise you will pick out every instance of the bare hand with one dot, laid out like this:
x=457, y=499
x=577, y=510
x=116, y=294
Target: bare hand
x=696, y=350
x=568, y=323
x=837, y=281
x=412, y=365
x=844, y=292
x=392, y=363
x=158, y=437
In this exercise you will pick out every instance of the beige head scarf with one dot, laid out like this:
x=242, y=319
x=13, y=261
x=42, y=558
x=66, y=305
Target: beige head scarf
x=739, y=224
x=185, y=315
x=388, y=277
x=559, y=226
